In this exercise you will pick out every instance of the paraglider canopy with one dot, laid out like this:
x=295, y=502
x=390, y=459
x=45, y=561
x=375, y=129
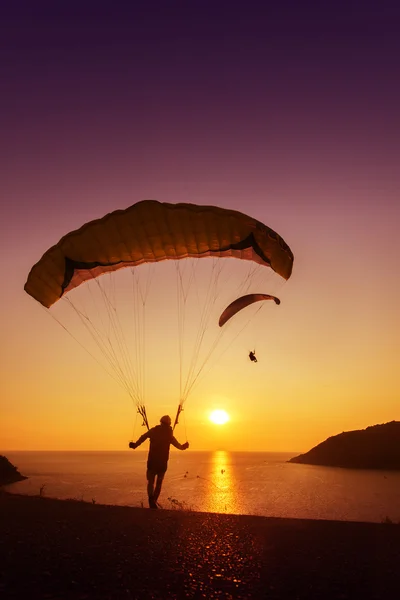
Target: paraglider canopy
x=240, y=303
x=151, y=231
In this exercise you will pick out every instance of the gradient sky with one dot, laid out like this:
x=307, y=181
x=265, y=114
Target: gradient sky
x=286, y=111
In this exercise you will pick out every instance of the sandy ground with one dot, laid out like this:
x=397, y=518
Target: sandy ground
x=69, y=549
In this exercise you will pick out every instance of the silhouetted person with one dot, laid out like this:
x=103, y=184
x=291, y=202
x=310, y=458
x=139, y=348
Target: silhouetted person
x=252, y=356
x=161, y=437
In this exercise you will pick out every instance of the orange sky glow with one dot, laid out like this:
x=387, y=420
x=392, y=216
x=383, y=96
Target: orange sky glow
x=327, y=361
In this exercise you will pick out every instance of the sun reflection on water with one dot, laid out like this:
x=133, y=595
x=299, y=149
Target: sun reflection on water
x=221, y=493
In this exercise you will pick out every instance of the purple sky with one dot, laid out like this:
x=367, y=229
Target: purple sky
x=207, y=92
x=287, y=111
x=205, y=101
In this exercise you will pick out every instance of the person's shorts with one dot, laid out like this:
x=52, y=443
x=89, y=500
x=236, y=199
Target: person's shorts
x=156, y=469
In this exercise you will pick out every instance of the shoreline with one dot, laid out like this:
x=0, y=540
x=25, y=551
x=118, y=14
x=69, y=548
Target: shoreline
x=54, y=548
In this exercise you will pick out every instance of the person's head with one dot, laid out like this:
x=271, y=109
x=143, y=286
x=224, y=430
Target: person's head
x=165, y=420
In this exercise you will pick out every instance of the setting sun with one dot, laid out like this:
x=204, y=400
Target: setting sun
x=219, y=417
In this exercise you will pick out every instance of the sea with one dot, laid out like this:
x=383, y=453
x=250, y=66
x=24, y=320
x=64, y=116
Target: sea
x=245, y=483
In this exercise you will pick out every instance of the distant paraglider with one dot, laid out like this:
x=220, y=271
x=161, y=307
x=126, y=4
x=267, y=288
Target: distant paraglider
x=241, y=303
x=252, y=356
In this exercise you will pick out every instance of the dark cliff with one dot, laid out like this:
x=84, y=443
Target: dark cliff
x=376, y=447
x=9, y=473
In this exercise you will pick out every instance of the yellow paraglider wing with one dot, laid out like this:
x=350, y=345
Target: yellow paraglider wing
x=151, y=231
x=240, y=303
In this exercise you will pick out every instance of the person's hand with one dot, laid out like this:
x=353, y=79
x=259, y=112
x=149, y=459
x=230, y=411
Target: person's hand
x=132, y=445
x=185, y=446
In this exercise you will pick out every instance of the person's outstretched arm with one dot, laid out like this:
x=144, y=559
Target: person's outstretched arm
x=140, y=440
x=175, y=443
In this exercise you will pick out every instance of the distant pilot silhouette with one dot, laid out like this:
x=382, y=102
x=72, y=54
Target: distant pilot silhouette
x=252, y=356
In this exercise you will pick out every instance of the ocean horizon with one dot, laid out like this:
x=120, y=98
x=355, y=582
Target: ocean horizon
x=251, y=483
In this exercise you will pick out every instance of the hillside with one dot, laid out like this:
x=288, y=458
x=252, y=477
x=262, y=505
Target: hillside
x=376, y=447
x=9, y=473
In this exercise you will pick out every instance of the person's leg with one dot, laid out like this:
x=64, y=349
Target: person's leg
x=150, y=486
x=157, y=490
